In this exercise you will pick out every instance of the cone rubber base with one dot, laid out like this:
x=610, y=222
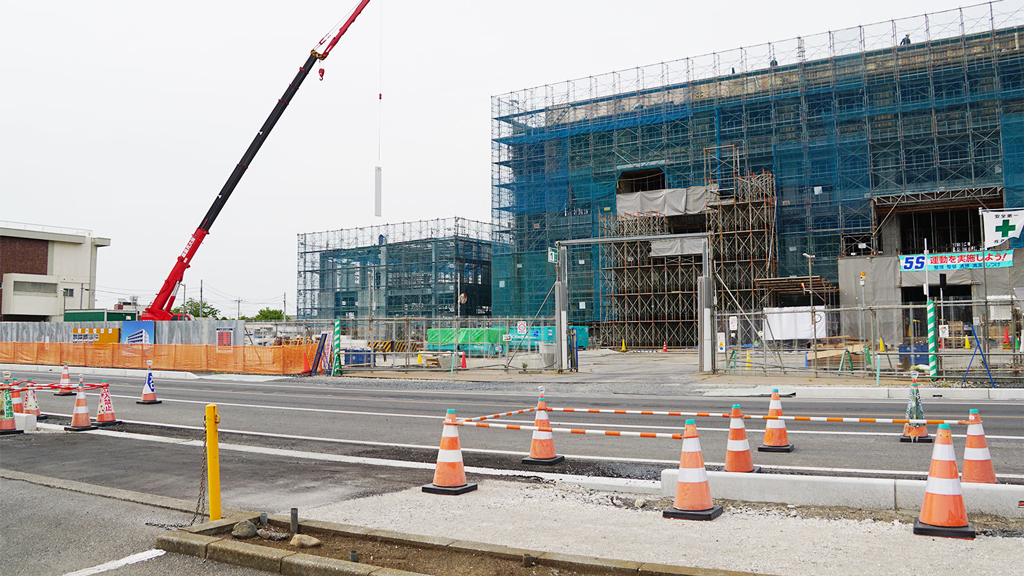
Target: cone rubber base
x=544, y=461
x=2, y=432
x=917, y=439
x=79, y=428
x=149, y=401
x=450, y=491
x=754, y=471
x=41, y=417
x=709, y=514
x=966, y=532
x=102, y=424
x=63, y=393
x=786, y=448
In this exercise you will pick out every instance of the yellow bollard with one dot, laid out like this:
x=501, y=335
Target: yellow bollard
x=213, y=461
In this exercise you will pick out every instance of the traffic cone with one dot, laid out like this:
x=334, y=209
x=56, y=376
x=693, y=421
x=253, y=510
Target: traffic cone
x=967, y=343
x=419, y=358
x=449, y=473
x=1006, y=338
x=737, y=455
x=943, y=512
x=32, y=403
x=881, y=345
x=542, y=447
x=16, y=403
x=693, y=493
x=775, y=437
x=623, y=345
x=148, y=390
x=80, y=418
x=463, y=360
x=7, y=425
x=105, y=411
x=977, y=460
x=65, y=383
x=915, y=411
x=664, y=345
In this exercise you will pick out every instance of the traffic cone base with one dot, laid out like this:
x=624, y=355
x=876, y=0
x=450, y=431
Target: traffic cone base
x=79, y=428
x=926, y=439
x=786, y=448
x=432, y=489
x=964, y=532
x=709, y=514
x=149, y=401
x=544, y=461
x=64, y=392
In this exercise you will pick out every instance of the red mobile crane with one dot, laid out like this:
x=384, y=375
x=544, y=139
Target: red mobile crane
x=161, y=307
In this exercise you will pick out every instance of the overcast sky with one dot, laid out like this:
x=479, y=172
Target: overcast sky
x=126, y=117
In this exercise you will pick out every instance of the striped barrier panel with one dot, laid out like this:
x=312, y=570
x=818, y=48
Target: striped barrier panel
x=493, y=416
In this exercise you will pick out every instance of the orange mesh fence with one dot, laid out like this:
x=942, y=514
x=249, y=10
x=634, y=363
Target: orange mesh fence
x=235, y=359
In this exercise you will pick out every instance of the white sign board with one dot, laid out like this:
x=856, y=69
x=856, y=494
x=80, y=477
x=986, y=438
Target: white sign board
x=734, y=323
x=721, y=342
x=506, y=337
x=553, y=255
x=793, y=323
x=521, y=328
x=943, y=330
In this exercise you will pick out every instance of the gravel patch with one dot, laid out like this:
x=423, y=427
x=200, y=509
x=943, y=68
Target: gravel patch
x=767, y=539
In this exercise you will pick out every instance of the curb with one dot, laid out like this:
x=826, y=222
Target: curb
x=202, y=542
x=102, y=371
x=882, y=392
x=867, y=493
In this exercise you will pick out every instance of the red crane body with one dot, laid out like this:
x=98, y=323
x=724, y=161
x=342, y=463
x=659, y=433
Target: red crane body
x=161, y=307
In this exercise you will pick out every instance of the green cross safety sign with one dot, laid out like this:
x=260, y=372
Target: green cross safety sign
x=1005, y=228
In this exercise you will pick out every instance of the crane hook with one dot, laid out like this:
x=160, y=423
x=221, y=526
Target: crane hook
x=321, y=74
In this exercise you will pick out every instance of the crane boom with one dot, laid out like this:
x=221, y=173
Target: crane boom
x=161, y=307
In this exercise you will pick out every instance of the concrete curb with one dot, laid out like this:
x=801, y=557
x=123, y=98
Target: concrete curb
x=881, y=392
x=867, y=493
x=14, y=368
x=201, y=542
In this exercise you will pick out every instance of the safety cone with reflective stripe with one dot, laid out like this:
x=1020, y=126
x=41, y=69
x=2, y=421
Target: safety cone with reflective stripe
x=32, y=403
x=148, y=390
x=80, y=419
x=693, y=493
x=775, y=437
x=449, y=473
x=737, y=455
x=65, y=383
x=16, y=403
x=105, y=412
x=943, y=512
x=542, y=447
x=664, y=345
x=915, y=411
x=977, y=460
x=7, y=425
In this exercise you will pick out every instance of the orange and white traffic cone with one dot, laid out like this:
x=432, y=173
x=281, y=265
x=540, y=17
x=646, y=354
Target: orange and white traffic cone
x=449, y=473
x=943, y=512
x=542, y=447
x=7, y=424
x=32, y=403
x=775, y=437
x=148, y=389
x=977, y=460
x=664, y=345
x=65, y=383
x=693, y=493
x=16, y=403
x=737, y=455
x=105, y=411
x=915, y=411
x=80, y=418
x=463, y=360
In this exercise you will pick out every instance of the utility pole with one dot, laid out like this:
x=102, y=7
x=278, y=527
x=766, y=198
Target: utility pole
x=238, y=314
x=284, y=305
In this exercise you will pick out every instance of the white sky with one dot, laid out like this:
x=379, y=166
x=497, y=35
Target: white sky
x=126, y=117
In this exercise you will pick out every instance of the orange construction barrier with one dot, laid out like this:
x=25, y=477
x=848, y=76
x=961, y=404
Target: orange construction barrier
x=148, y=389
x=65, y=383
x=977, y=460
x=542, y=447
x=915, y=432
x=7, y=425
x=693, y=493
x=775, y=437
x=105, y=411
x=449, y=473
x=80, y=418
x=943, y=512
x=737, y=455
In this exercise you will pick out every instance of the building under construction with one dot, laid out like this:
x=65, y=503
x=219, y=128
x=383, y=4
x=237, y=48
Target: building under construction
x=411, y=269
x=861, y=142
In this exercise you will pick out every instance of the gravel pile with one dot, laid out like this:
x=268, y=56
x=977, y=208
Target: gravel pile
x=570, y=519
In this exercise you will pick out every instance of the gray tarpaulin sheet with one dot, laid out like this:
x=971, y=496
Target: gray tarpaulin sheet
x=671, y=202
x=677, y=246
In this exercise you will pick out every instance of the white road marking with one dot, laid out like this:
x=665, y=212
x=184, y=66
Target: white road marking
x=113, y=565
x=484, y=471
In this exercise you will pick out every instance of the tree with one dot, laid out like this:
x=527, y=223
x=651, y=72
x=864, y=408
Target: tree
x=268, y=315
x=191, y=307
